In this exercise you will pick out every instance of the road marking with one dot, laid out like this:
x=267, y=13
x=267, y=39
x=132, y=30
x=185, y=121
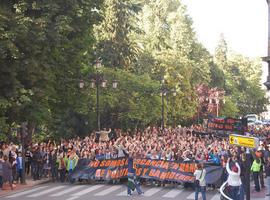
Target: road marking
x=109, y=190
x=46, y=191
x=70, y=189
x=216, y=197
x=192, y=195
x=151, y=191
x=72, y=198
x=26, y=192
x=172, y=193
x=90, y=189
x=124, y=193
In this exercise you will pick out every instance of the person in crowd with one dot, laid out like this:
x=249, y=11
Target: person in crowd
x=53, y=165
x=132, y=181
x=12, y=160
x=28, y=159
x=71, y=164
x=61, y=166
x=234, y=180
x=46, y=163
x=19, y=167
x=260, y=153
x=256, y=168
x=200, y=185
x=37, y=160
x=243, y=167
x=1, y=170
x=7, y=172
x=267, y=174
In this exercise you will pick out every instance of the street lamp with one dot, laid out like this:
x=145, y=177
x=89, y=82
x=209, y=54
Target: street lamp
x=97, y=80
x=215, y=98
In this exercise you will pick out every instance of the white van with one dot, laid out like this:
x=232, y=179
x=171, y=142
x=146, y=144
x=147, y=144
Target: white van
x=251, y=119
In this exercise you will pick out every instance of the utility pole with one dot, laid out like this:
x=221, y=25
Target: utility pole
x=24, y=130
x=267, y=58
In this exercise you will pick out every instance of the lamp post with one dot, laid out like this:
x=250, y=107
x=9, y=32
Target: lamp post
x=163, y=93
x=267, y=58
x=174, y=96
x=216, y=100
x=23, y=131
x=97, y=81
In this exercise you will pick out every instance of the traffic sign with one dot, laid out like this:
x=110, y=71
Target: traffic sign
x=244, y=141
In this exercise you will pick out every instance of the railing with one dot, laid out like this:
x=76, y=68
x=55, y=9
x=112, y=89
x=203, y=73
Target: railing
x=223, y=195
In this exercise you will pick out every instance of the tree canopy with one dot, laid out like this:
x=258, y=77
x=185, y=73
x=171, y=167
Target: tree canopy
x=48, y=47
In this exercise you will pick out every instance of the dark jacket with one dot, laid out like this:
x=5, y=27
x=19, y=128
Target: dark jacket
x=267, y=169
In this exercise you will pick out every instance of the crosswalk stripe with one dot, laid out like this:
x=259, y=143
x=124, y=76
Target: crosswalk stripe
x=124, y=193
x=70, y=189
x=90, y=189
x=152, y=191
x=26, y=192
x=192, y=195
x=216, y=197
x=72, y=198
x=46, y=191
x=109, y=190
x=173, y=193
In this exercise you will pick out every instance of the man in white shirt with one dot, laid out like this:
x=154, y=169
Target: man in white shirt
x=200, y=174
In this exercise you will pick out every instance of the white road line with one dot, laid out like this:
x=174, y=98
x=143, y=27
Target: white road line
x=151, y=191
x=216, y=197
x=172, y=193
x=90, y=189
x=26, y=192
x=192, y=195
x=46, y=191
x=70, y=189
x=72, y=198
x=124, y=193
x=109, y=190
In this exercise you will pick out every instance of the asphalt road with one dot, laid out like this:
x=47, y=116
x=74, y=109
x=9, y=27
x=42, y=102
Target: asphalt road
x=57, y=191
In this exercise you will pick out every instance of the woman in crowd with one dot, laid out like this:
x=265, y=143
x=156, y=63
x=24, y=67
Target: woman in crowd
x=7, y=171
x=234, y=180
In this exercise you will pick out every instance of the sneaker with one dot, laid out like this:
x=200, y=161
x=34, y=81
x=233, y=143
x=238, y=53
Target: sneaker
x=267, y=195
x=129, y=195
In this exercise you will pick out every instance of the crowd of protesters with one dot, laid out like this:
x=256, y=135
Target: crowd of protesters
x=58, y=160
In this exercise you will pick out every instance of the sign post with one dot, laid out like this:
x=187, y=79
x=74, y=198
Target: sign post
x=244, y=141
x=248, y=142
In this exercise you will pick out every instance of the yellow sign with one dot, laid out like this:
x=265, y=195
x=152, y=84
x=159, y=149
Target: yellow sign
x=244, y=141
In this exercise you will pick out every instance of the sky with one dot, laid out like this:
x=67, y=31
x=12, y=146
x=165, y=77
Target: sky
x=244, y=24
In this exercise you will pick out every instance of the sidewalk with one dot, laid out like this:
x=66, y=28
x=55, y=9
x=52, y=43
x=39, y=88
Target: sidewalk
x=19, y=187
x=257, y=195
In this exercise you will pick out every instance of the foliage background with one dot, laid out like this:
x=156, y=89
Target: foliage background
x=47, y=47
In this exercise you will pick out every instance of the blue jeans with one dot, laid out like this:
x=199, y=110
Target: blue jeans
x=137, y=187
x=69, y=176
x=234, y=192
x=201, y=189
x=256, y=181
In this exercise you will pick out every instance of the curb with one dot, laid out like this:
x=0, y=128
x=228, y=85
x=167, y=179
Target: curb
x=24, y=189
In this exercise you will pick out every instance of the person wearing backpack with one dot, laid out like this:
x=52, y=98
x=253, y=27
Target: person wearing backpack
x=200, y=185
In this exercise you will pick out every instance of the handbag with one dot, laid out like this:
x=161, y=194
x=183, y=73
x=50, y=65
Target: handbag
x=197, y=181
